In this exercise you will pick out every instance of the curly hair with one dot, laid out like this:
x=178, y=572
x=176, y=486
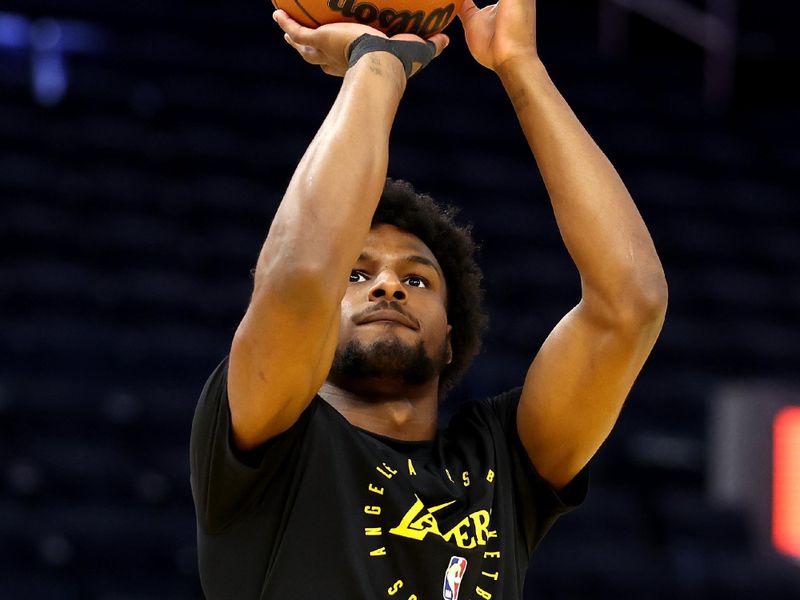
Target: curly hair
x=455, y=250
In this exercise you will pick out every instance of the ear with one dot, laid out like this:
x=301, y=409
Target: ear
x=449, y=344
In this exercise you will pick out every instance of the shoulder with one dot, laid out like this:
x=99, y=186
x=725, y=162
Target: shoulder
x=487, y=423
x=211, y=426
x=501, y=408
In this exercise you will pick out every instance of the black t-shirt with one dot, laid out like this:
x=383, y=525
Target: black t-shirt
x=328, y=510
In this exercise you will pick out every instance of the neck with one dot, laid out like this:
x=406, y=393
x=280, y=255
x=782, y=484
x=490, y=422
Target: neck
x=408, y=413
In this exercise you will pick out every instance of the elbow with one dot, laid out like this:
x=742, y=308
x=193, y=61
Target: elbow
x=650, y=297
x=302, y=293
x=296, y=278
x=640, y=302
x=288, y=275
x=646, y=304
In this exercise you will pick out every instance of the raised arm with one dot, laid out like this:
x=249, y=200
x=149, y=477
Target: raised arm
x=284, y=346
x=583, y=372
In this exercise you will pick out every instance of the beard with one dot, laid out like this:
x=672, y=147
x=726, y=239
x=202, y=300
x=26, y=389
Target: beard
x=387, y=359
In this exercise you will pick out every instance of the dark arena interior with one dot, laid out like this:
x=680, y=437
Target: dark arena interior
x=144, y=148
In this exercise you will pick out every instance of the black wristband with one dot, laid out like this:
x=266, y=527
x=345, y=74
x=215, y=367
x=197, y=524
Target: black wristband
x=408, y=52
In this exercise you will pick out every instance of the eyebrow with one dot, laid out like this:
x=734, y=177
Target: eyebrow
x=412, y=258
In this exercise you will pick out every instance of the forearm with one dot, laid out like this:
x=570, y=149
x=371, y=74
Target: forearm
x=326, y=212
x=598, y=220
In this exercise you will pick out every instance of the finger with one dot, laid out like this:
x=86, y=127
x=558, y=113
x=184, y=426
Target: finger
x=298, y=33
x=441, y=41
x=467, y=10
x=309, y=53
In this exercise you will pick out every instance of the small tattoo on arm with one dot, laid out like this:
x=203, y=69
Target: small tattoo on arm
x=375, y=65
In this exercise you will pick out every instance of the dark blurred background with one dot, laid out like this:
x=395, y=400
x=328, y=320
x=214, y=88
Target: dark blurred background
x=144, y=148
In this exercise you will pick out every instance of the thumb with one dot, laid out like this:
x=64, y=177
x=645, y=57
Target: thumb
x=467, y=9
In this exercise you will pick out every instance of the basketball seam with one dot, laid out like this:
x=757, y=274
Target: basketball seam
x=303, y=8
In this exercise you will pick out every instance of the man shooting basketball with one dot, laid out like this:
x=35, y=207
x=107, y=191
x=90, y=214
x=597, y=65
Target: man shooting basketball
x=318, y=466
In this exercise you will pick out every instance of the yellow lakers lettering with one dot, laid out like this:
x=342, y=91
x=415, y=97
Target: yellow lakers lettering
x=396, y=587
x=473, y=530
x=386, y=471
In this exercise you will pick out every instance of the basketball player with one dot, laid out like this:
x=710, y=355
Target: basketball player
x=319, y=469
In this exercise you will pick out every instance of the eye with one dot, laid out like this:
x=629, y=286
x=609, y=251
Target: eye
x=416, y=281
x=357, y=277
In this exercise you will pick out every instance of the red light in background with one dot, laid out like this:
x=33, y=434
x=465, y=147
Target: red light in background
x=786, y=482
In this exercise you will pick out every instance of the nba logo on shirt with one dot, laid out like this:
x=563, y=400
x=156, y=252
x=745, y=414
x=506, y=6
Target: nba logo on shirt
x=453, y=576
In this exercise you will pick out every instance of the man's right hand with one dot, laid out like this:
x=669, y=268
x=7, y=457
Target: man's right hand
x=328, y=45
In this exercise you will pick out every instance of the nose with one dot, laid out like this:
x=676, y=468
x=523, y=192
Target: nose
x=386, y=286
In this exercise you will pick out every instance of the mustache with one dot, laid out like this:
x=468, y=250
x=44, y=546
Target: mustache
x=390, y=305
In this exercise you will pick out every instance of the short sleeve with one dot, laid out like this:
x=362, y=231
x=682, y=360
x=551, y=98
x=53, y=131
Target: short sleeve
x=538, y=503
x=225, y=482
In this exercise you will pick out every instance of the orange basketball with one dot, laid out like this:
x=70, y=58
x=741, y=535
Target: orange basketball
x=423, y=17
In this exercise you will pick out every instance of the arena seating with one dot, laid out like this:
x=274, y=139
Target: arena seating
x=134, y=206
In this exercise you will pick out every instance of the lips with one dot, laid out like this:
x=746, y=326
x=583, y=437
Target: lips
x=387, y=315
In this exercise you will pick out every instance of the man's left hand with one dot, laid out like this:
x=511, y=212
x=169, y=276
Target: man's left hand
x=500, y=32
